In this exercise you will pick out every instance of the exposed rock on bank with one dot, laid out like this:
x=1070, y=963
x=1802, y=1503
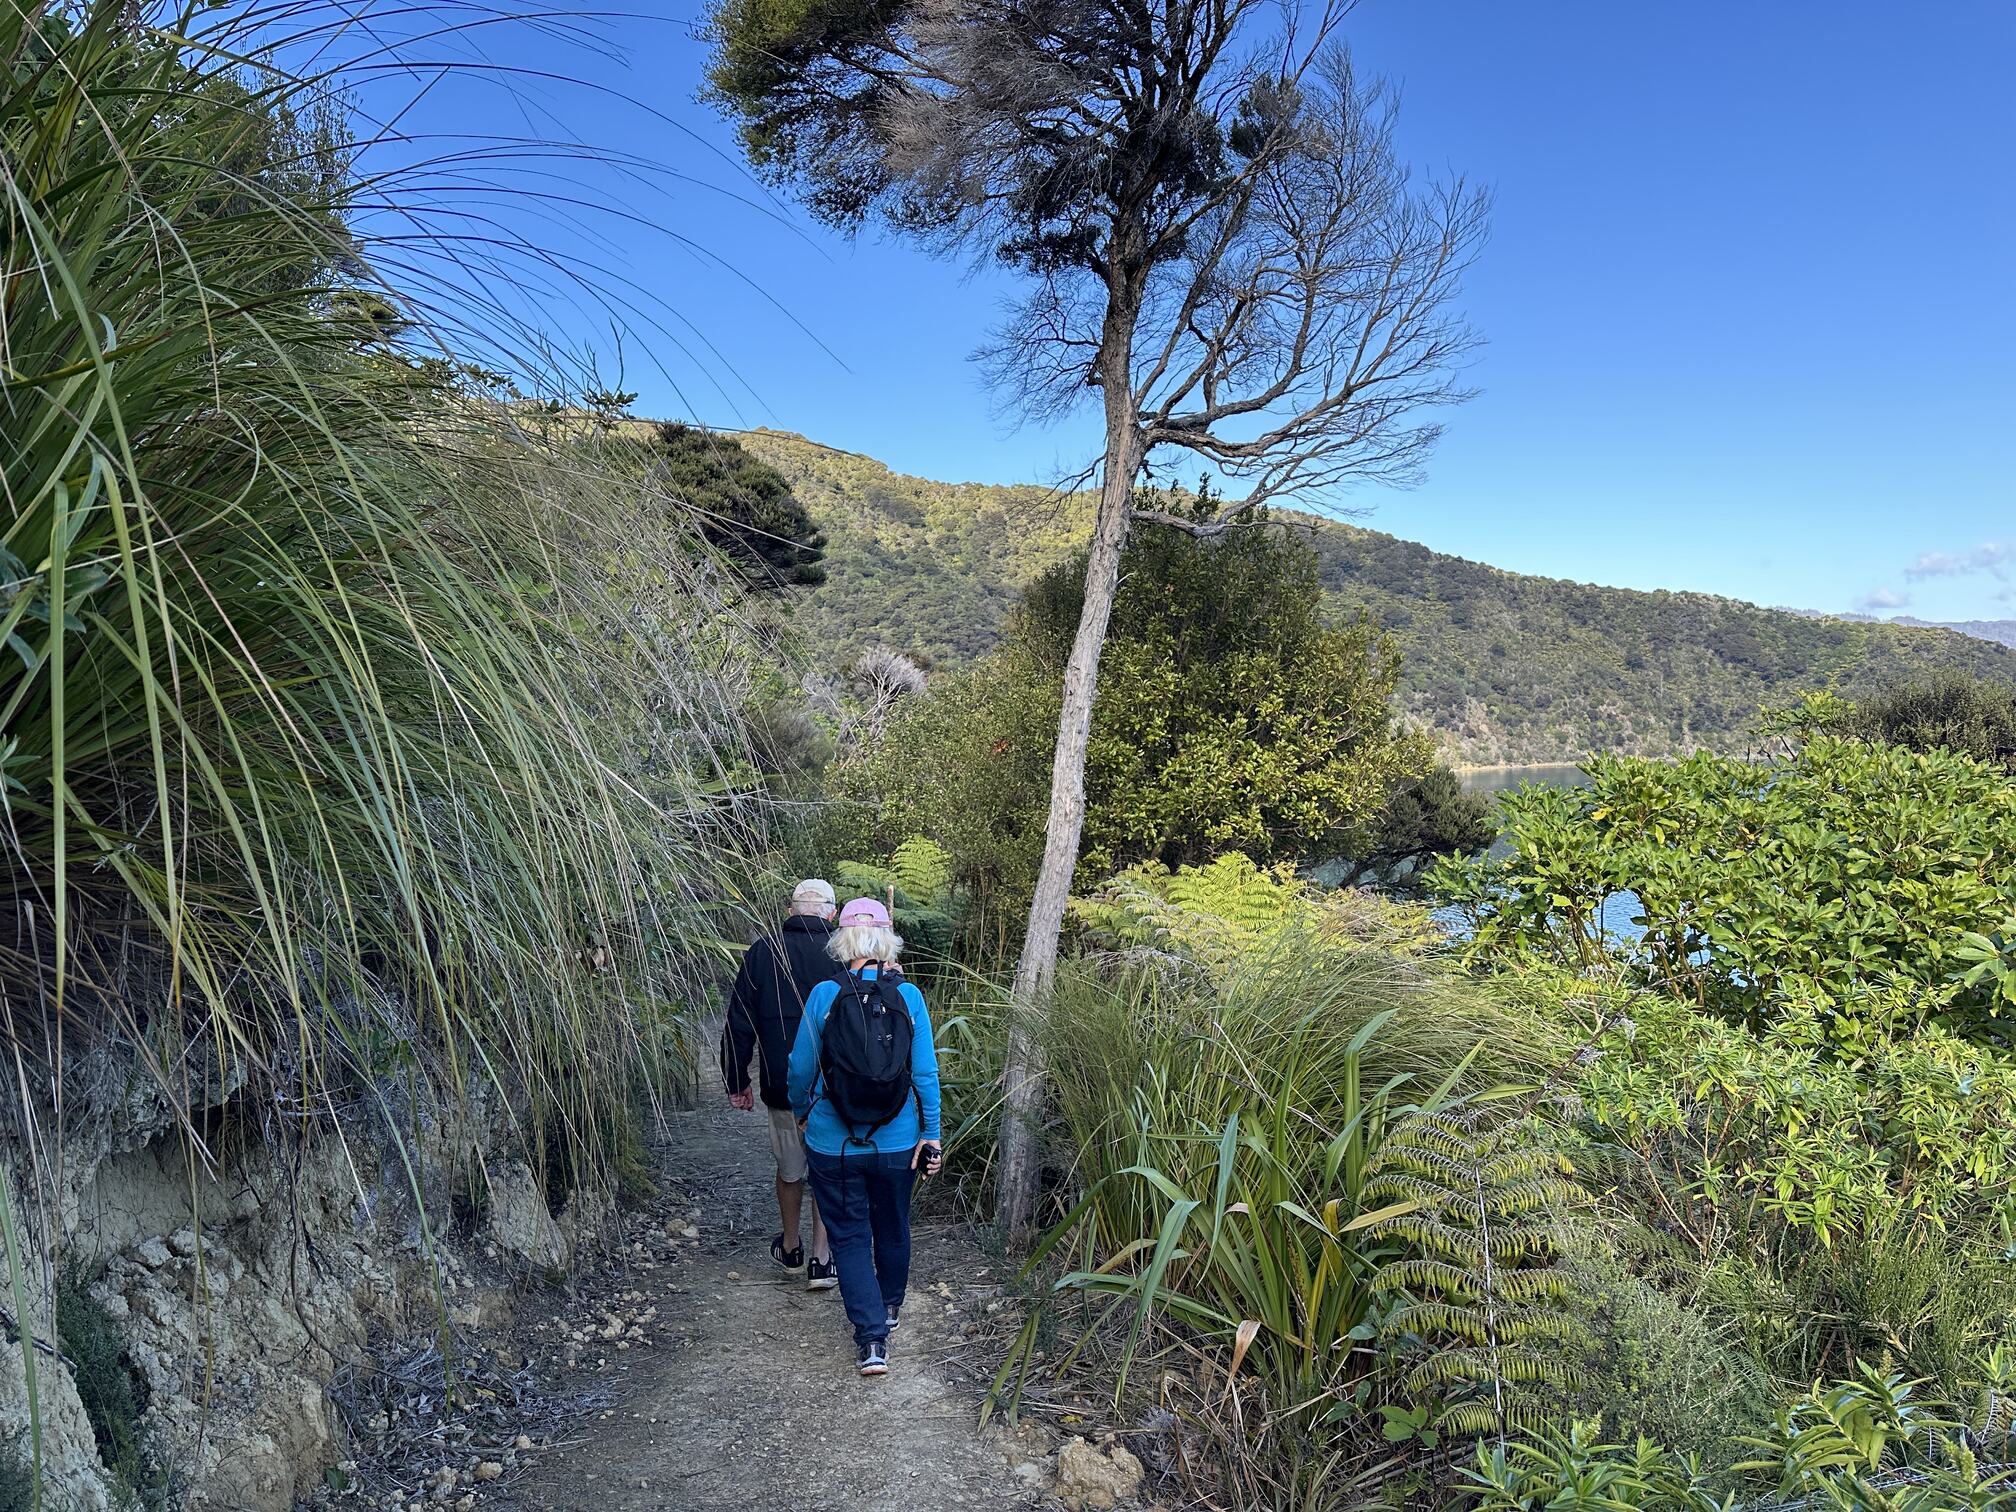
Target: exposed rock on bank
x=244, y=1271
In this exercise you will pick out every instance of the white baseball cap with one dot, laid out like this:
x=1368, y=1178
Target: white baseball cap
x=813, y=890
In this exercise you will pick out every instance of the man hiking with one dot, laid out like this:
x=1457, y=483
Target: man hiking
x=764, y=1008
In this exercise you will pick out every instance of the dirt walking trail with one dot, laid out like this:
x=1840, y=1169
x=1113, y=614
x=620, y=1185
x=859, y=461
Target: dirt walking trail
x=746, y=1396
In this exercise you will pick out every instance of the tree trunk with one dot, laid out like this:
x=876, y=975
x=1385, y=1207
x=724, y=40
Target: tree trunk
x=1024, y=1070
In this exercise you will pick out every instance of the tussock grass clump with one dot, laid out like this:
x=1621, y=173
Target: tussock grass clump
x=356, y=738
x=1158, y=1055
x=1227, y=1141
x=356, y=735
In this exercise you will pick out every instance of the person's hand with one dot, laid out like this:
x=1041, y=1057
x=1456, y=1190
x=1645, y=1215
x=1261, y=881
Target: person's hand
x=745, y=1099
x=927, y=1158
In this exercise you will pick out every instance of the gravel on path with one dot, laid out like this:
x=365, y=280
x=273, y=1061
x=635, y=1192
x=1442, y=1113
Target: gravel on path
x=747, y=1397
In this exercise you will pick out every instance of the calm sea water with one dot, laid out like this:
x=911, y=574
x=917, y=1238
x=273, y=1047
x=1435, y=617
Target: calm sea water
x=1491, y=781
x=1504, y=779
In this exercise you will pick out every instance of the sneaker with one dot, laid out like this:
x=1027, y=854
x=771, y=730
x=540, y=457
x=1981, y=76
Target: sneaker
x=791, y=1259
x=874, y=1358
x=821, y=1275
x=894, y=1320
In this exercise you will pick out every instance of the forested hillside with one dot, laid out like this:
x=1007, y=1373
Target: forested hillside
x=1504, y=667
x=2002, y=631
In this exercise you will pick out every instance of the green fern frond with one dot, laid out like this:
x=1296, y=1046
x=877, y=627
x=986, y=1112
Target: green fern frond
x=1443, y=1321
x=1454, y=1365
x=1423, y=1274
x=1469, y=1420
x=1431, y=1235
x=923, y=869
x=1529, y=1286
x=1483, y=1303
x=1533, y=1370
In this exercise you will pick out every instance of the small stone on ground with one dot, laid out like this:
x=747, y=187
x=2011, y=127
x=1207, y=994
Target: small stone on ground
x=748, y=1397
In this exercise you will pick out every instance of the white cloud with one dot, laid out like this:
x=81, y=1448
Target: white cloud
x=1882, y=598
x=1996, y=557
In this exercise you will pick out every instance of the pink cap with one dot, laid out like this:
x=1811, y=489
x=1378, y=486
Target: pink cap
x=864, y=911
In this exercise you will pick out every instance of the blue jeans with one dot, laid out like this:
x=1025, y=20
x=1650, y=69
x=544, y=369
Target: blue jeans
x=864, y=1196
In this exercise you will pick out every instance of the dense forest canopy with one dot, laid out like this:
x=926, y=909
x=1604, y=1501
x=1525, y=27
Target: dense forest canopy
x=1502, y=667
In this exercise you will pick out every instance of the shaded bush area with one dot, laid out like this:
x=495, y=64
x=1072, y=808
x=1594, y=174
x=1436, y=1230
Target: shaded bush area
x=112, y=1391
x=743, y=505
x=1426, y=818
x=17, y=1476
x=1969, y=716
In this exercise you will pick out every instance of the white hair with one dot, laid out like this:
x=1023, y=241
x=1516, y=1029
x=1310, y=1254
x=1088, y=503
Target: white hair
x=864, y=942
x=813, y=896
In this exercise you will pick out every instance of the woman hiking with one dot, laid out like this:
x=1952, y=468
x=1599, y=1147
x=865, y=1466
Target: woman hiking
x=864, y=1084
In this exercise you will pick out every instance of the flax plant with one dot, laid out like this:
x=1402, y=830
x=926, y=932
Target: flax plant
x=1227, y=1140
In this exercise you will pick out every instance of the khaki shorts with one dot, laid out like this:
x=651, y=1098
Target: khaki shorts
x=788, y=1143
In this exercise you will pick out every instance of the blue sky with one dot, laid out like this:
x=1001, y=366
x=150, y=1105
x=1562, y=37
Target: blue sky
x=1748, y=295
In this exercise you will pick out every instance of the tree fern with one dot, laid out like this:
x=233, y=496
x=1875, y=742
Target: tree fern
x=923, y=869
x=1229, y=909
x=927, y=911
x=1477, y=1301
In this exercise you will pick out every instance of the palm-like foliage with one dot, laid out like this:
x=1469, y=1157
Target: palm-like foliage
x=1867, y=1444
x=345, y=727
x=1572, y=1470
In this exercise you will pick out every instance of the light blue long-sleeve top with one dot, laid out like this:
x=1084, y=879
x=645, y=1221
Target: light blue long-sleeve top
x=823, y=1130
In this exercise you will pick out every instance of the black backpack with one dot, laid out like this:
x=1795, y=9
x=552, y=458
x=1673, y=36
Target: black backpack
x=864, y=1055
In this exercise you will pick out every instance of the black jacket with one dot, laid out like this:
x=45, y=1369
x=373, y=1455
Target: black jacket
x=767, y=1001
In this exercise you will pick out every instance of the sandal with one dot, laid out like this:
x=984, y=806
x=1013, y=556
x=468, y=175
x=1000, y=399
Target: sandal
x=791, y=1259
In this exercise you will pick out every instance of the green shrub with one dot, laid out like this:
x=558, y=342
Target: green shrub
x=1859, y=1445
x=745, y=507
x=1898, y=1293
x=113, y=1393
x=1649, y=1366
x=960, y=766
x=1573, y=1467
x=1781, y=1128
x=1844, y=865
x=1869, y=1444
x=1231, y=714
x=1836, y=1209
x=1433, y=815
x=1952, y=711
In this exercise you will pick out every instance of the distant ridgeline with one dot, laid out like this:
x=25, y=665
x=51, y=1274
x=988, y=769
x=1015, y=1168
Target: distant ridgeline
x=1505, y=667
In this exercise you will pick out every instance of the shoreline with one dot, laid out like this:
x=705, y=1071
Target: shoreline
x=1516, y=766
